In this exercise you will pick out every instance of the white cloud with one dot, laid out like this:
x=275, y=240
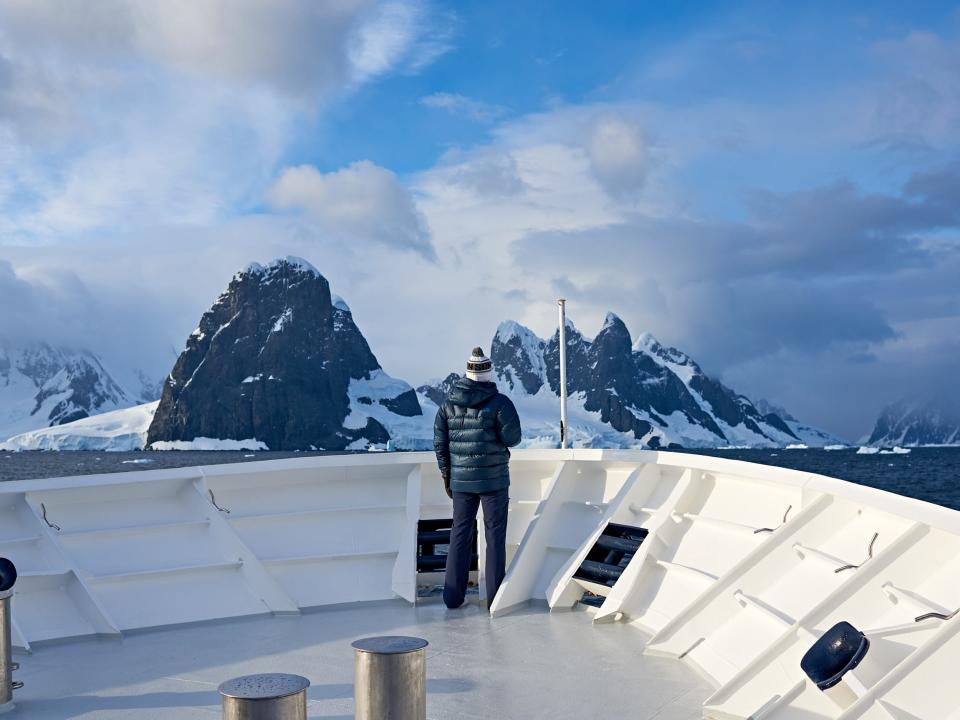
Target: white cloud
x=405, y=35
x=157, y=165
x=456, y=104
x=579, y=199
x=619, y=155
x=304, y=49
x=363, y=200
x=920, y=90
x=42, y=303
x=818, y=281
x=116, y=114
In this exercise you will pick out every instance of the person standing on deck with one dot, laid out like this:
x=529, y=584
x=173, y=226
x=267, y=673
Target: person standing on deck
x=473, y=432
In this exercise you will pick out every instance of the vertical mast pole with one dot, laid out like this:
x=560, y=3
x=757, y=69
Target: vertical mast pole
x=562, y=303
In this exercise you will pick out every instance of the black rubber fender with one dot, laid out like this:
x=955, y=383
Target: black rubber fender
x=839, y=650
x=8, y=574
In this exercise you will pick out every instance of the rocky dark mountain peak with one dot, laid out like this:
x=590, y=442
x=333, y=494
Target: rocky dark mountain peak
x=519, y=353
x=613, y=340
x=279, y=359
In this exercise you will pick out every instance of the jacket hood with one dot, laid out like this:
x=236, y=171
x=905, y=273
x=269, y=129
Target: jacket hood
x=471, y=393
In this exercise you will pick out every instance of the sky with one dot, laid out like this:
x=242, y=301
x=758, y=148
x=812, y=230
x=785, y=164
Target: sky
x=772, y=187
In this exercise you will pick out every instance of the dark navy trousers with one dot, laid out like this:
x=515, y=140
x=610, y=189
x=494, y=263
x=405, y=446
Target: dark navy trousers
x=465, y=505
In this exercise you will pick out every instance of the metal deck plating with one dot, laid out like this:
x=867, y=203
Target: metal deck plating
x=531, y=664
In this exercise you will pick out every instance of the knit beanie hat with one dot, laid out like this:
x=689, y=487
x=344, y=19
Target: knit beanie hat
x=479, y=367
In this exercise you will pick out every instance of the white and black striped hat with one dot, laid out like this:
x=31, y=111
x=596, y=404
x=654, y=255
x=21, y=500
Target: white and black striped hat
x=479, y=366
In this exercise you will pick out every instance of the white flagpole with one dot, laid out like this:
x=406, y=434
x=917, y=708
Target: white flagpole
x=563, y=372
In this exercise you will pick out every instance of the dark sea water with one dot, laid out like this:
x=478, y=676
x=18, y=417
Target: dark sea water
x=41, y=464
x=931, y=474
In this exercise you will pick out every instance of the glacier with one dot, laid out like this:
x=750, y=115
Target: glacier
x=117, y=430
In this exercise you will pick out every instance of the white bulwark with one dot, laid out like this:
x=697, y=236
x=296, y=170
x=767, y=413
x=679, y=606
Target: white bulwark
x=741, y=569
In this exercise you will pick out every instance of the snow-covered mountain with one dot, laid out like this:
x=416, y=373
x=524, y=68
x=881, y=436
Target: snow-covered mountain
x=144, y=387
x=625, y=394
x=807, y=434
x=42, y=385
x=279, y=363
x=278, y=360
x=913, y=423
x=435, y=391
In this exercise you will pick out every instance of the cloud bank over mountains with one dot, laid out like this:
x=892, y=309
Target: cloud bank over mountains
x=791, y=219
x=362, y=200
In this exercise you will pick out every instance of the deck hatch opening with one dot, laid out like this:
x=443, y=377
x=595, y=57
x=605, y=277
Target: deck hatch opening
x=609, y=556
x=433, y=543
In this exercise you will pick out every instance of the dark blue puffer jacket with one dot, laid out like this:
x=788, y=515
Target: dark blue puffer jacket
x=474, y=428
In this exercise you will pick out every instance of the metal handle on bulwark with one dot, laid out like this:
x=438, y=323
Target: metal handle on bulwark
x=268, y=696
x=390, y=678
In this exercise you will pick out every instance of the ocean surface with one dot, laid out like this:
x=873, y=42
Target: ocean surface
x=931, y=474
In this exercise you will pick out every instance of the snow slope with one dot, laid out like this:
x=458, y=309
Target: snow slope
x=740, y=422
x=372, y=397
x=118, y=430
x=814, y=437
x=809, y=435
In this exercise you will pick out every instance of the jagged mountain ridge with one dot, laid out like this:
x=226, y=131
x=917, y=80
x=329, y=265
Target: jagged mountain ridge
x=279, y=359
x=42, y=385
x=625, y=393
x=935, y=421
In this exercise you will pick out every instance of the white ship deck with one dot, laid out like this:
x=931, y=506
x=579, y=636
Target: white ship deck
x=531, y=664
x=277, y=566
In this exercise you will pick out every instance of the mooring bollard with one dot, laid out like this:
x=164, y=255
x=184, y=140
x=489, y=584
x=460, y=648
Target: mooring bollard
x=390, y=678
x=8, y=576
x=270, y=696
